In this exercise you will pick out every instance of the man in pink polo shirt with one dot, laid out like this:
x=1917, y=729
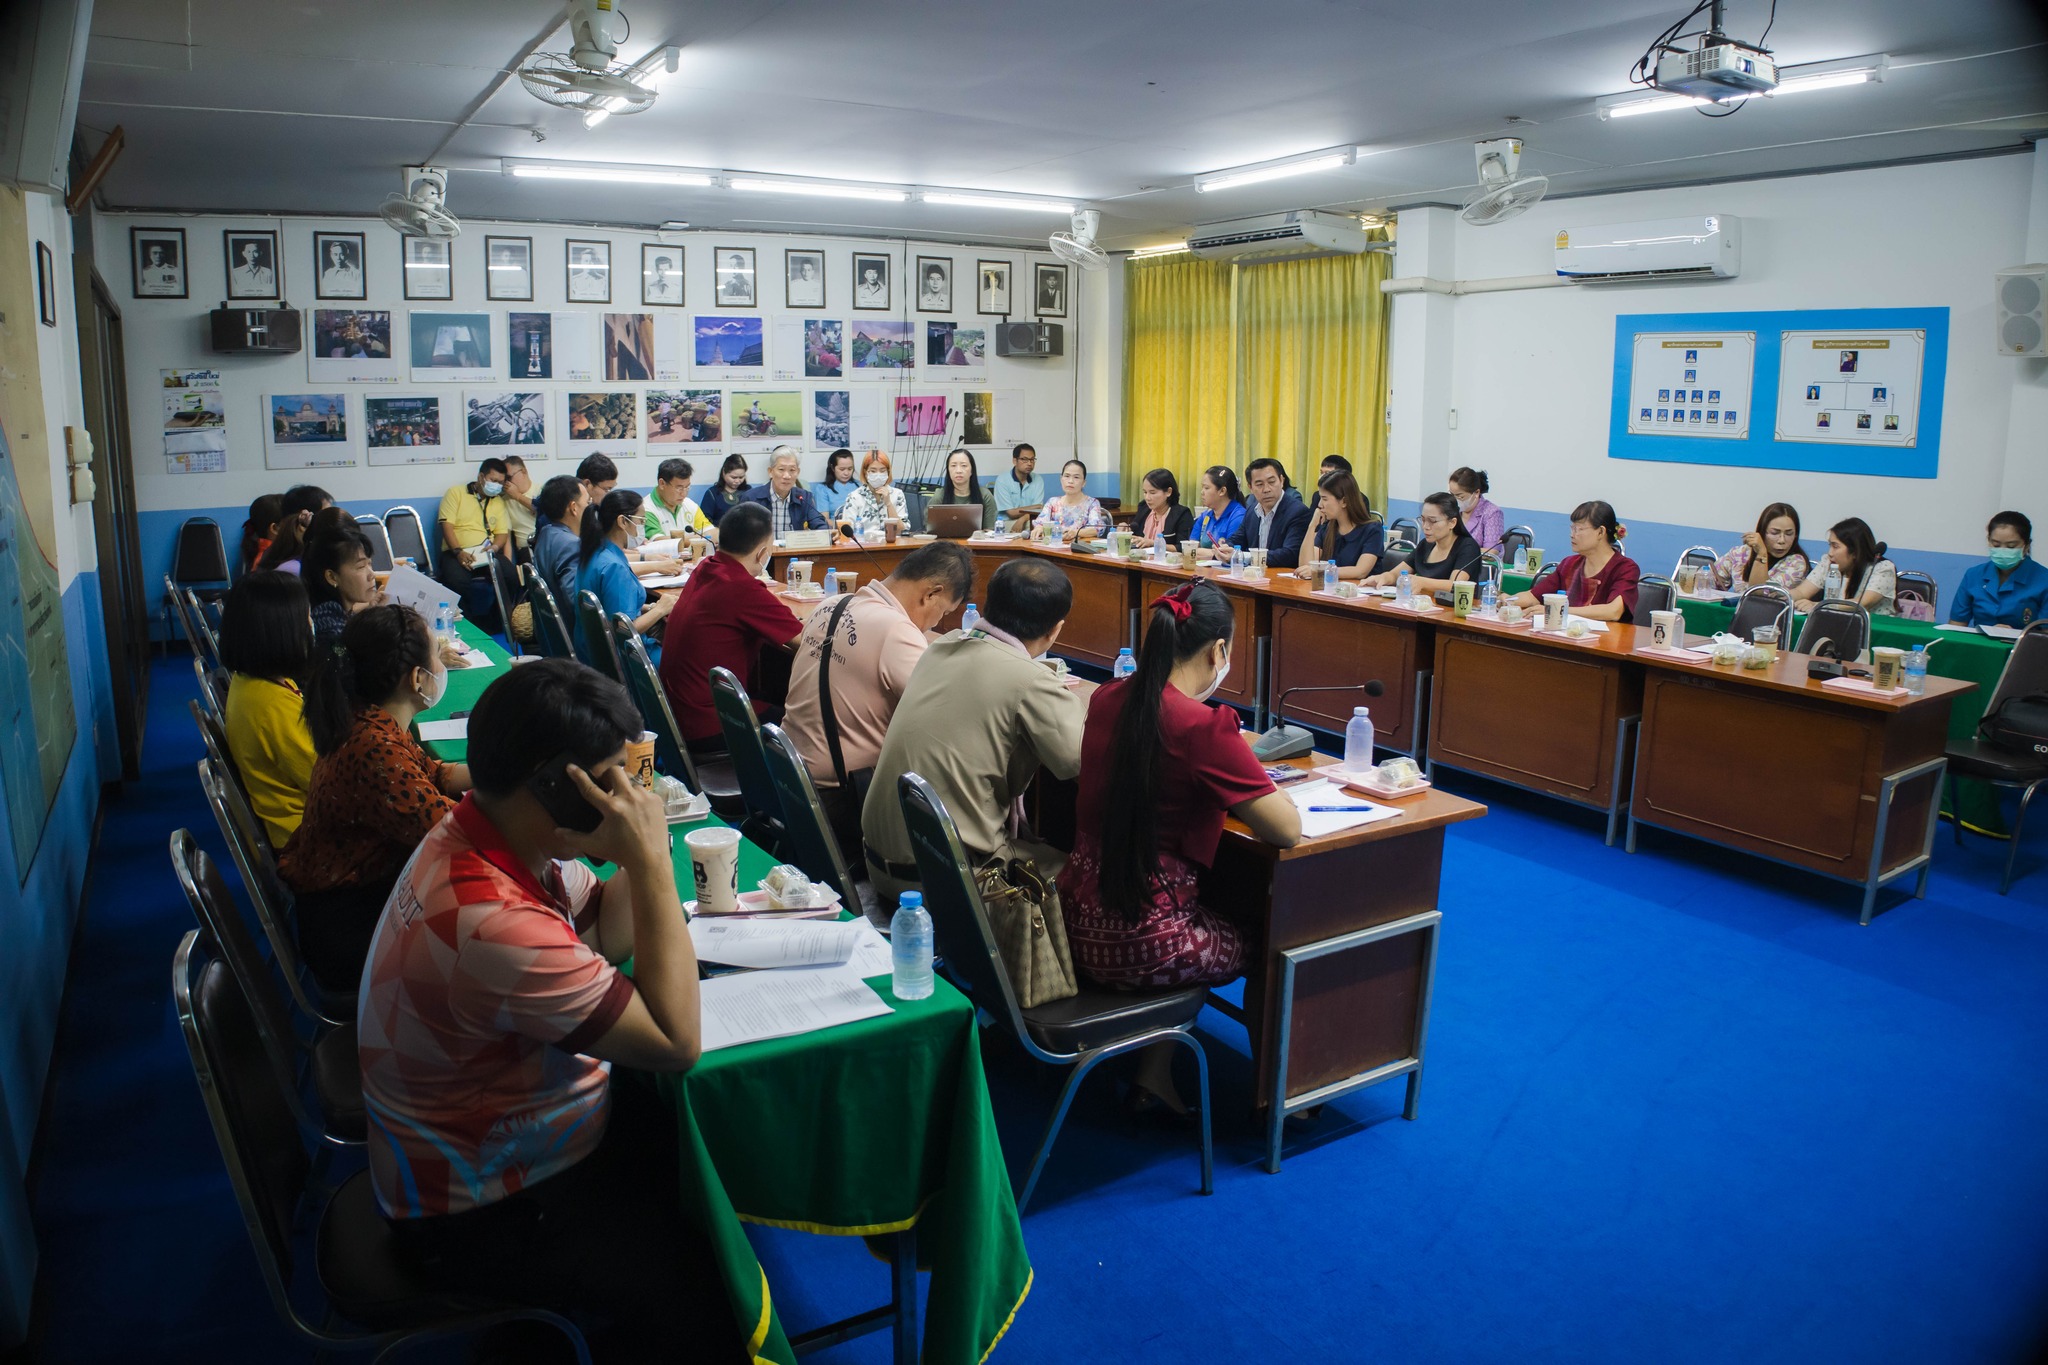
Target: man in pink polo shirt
x=876, y=635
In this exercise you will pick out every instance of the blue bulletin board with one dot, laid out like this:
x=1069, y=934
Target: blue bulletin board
x=1836, y=391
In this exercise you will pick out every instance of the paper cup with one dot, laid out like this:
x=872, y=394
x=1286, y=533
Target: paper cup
x=1556, y=606
x=1461, y=600
x=847, y=581
x=889, y=530
x=1532, y=559
x=640, y=759
x=1188, y=551
x=715, y=863
x=1885, y=664
x=1667, y=630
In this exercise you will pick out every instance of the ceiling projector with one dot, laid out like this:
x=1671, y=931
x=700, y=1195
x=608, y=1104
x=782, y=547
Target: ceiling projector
x=1718, y=69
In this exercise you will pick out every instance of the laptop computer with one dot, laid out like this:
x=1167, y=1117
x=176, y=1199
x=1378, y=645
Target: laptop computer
x=952, y=520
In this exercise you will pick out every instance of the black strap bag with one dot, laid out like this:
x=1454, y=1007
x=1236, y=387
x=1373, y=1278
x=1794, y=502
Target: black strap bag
x=2018, y=725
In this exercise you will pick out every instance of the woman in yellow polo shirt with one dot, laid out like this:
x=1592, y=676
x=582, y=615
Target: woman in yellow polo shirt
x=266, y=643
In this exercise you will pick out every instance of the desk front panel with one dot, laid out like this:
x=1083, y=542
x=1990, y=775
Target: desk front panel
x=1543, y=717
x=1100, y=622
x=1241, y=688
x=1326, y=647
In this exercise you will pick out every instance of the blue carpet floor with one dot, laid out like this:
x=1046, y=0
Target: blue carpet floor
x=1679, y=1107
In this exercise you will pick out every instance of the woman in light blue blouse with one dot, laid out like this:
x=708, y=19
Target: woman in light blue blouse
x=2008, y=590
x=838, y=484
x=611, y=528
x=1222, y=506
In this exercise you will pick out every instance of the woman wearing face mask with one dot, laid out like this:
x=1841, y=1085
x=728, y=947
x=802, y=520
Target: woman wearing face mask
x=1159, y=772
x=877, y=498
x=611, y=528
x=1597, y=579
x=375, y=793
x=1769, y=554
x=2010, y=590
x=1483, y=521
x=1073, y=513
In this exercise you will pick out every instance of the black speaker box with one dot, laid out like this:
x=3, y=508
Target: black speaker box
x=1030, y=339
x=255, y=331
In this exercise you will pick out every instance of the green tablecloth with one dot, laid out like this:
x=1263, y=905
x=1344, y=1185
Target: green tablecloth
x=465, y=685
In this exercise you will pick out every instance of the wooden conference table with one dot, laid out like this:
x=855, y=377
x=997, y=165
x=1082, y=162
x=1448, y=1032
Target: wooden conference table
x=1659, y=741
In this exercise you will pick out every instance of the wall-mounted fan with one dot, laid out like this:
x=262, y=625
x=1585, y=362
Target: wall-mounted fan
x=586, y=77
x=1078, y=247
x=418, y=212
x=1502, y=193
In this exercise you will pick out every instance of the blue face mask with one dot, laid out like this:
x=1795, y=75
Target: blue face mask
x=492, y=489
x=2007, y=556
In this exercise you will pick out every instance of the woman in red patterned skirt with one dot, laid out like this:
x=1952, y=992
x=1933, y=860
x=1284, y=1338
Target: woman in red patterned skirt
x=1145, y=826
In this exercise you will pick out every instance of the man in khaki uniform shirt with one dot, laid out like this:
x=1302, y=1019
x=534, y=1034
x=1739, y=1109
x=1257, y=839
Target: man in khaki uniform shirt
x=980, y=717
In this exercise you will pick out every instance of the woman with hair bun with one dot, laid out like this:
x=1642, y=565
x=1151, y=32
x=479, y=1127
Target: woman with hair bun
x=1483, y=521
x=1597, y=579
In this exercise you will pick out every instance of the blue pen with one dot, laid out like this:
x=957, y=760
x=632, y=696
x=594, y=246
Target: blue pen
x=1335, y=810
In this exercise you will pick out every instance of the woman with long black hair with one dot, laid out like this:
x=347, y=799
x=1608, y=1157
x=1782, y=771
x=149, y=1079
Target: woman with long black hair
x=610, y=528
x=1145, y=824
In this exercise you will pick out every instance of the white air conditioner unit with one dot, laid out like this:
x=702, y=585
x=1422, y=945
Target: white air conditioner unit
x=1301, y=232
x=1706, y=247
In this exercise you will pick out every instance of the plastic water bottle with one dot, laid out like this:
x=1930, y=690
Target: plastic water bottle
x=444, y=625
x=1330, y=575
x=1916, y=670
x=1238, y=560
x=1126, y=664
x=1404, y=587
x=1489, y=594
x=831, y=581
x=1834, y=589
x=970, y=618
x=1358, y=740
x=910, y=947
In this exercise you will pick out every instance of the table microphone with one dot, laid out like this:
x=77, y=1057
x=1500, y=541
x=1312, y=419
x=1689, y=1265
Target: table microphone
x=1292, y=741
x=846, y=529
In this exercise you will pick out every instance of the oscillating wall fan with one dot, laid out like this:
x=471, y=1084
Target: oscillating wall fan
x=1502, y=193
x=586, y=77
x=1078, y=247
x=418, y=212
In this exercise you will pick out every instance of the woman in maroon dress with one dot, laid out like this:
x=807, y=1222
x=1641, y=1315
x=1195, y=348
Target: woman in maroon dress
x=1159, y=772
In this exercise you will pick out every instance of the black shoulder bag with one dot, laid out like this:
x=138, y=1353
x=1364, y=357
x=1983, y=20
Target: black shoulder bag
x=2018, y=725
x=854, y=785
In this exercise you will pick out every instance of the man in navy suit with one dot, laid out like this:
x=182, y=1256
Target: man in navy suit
x=790, y=506
x=1275, y=519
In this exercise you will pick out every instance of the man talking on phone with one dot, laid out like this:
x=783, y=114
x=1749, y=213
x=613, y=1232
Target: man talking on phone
x=509, y=1160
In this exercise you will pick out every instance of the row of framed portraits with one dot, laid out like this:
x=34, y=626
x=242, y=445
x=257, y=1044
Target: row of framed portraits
x=255, y=271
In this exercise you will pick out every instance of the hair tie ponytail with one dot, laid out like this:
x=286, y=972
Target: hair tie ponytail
x=1179, y=601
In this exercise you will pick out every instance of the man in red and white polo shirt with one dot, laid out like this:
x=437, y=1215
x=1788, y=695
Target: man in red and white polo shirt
x=509, y=1160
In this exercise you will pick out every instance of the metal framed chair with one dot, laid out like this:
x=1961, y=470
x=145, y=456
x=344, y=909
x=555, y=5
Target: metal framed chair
x=199, y=560
x=497, y=569
x=713, y=777
x=1766, y=604
x=598, y=650
x=1080, y=1032
x=380, y=541
x=1654, y=594
x=1548, y=566
x=2025, y=674
x=178, y=617
x=1916, y=597
x=213, y=691
x=205, y=638
x=807, y=839
x=1400, y=545
x=1404, y=528
x=360, y=1275
x=331, y=1058
x=749, y=754
x=1699, y=556
x=1838, y=630
x=407, y=537
x=1513, y=541
x=550, y=632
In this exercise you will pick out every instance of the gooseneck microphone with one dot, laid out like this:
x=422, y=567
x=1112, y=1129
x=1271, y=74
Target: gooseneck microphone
x=1291, y=741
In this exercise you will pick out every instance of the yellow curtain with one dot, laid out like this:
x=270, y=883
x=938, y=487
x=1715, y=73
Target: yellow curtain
x=1178, y=387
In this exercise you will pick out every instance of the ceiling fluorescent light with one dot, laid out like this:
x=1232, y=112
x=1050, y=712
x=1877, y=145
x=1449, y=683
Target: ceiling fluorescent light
x=819, y=188
x=624, y=175
x=1253, y=175
x=1146, y=253
x=596, y=114
x=995, y=201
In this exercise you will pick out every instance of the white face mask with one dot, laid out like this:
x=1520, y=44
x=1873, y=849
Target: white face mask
x=635, y=538
x=1221, y=674
x=436, y=688
x=877, y=479
x=1467, y=504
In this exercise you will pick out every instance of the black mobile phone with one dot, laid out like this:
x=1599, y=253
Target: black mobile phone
x=558, y=796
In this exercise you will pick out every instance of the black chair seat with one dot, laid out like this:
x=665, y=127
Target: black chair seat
x=1974, y=758
x=1099, y=1016
x=722, y=785
x=362, y=1270
x=338, y=1081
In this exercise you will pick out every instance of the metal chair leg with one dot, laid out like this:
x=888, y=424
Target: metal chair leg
x=1202, y=1099
x=1955, y=810
x=2019, y=823
x=903, y=1283
x=1052, y=1131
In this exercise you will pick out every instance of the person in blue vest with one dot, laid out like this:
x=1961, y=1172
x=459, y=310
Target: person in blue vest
x=790, y=506
x=2010, y=589
x=1275, y=518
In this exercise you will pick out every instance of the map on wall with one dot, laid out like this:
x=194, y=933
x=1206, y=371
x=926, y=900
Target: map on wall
x=37, y=724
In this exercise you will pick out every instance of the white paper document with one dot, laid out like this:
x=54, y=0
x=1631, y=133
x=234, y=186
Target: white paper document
x=1536, y=624
x=2002, y=632
x=773, y=943
x=871, y=955
x=410, y=588
x=1355, y=812
x=431, y=730
x=749, y=1006
x=472, y=658
x=665, y=580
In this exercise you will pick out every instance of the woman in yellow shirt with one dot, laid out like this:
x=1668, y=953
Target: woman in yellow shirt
x=266, y=643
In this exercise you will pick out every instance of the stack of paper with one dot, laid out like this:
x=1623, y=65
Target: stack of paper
x=749, y=1006
x=432, y=730
x=1353, y=811
x=665, y=580
x=775, y=943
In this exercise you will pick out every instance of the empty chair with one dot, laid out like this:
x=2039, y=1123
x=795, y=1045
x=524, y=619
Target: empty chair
x=1766, y=604
x=408, y=537
x=2013, y=764
x=1835, y=630
x=199, y=561
x=1513, y=541
x=1079, y=1032
x=1653, y=594
x=1697, y=556
x=1916, y=596
x=807, y=839
x=550, y=631
x=749, y=754
x=253, y=1114
x=712, y=776
x=380, y=541
x=1404, y=528
x=598, y=650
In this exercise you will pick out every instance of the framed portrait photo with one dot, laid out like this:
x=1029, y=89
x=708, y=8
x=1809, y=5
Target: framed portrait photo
x=870, y=282
x=992, y=288
x=732, y=272
x=158, y=255
x=338, y=266
x=1048, y=290
x=661, y=275
x=589, y=267
x=429, y=272
x=804, y=279
x=252, y=263
x=508, y=268
x=46, y=285
x=934, y=284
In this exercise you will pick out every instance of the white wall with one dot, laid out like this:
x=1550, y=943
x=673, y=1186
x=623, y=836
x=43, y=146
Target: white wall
x=1531, y=372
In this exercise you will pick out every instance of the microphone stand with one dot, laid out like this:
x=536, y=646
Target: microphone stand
x=1292, y=741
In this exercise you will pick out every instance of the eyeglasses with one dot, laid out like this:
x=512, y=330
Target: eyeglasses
x=1432, y=522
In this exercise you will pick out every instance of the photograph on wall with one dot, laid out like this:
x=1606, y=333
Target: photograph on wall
x=733, y=276
x=429, y=268
x=977, y=418
x=824, y=348
x=934, y=284
x=306, y=431
x=404, y=430
x=530, y=346
x=506, y=417
x=870, y=282
x=921, y=416
x=661, y=275
x=196, y=452
x=690, y=416
x=1852, y=389
x=588, y=265
x=612, y=415
x=159, y=262
x=883, y=344
x=671, y=348
x=1720, y=363
x=831, y=419
x=1048, y=290
x=508, y=268
x=35, y=671
x=767, y=417
x=450, y=347
x=804, y=276
x=727, y=348
x=252, y=263
x=628, y=347
x=578, y=356
x=194, y=406
x=992, y=288
x=351, y=346
x=948, y=343
x=339, y=266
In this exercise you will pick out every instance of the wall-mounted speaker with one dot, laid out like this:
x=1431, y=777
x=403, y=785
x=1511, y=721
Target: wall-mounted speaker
x=1030, y=339
x=2022, y=308
x=255, y=331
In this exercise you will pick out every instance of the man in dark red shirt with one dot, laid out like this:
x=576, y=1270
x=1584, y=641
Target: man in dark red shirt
x=723, y=618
